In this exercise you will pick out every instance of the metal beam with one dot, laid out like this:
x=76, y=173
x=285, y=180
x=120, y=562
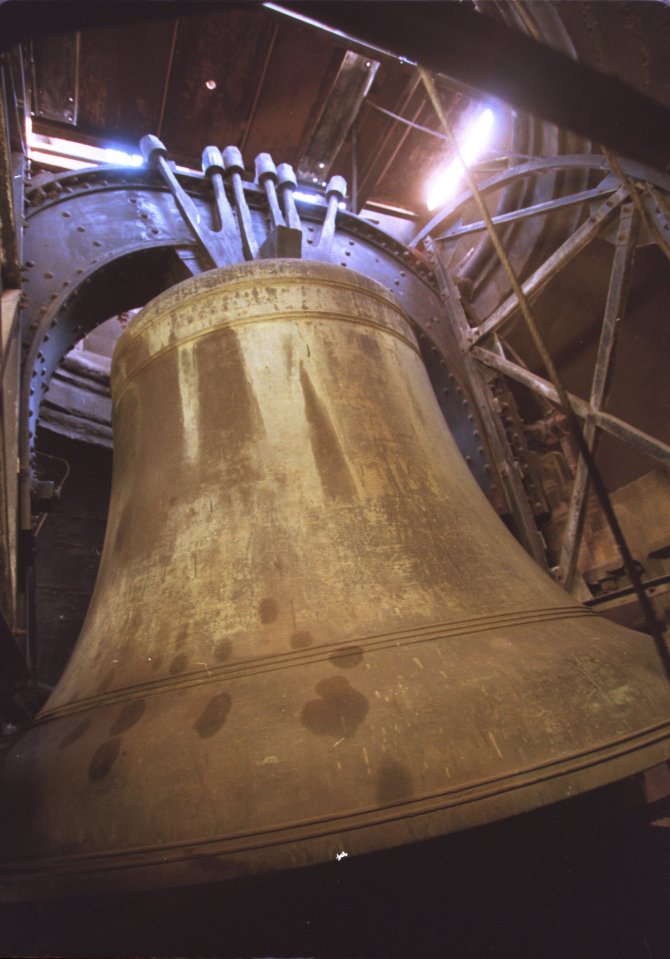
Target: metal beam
x=622, y=263
x=574, y=199
x=514, y=492
x=551, y=266
x=640, y=441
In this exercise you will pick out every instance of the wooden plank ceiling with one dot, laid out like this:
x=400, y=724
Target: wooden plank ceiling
x=237, y=74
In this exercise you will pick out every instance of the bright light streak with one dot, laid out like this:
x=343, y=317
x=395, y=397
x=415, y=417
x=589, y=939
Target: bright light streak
x=309, y=197
x=316, y=199
x=69, y=155
x=121, y=158
x=443, y=185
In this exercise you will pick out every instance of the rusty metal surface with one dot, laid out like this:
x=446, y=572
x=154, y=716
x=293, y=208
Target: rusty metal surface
x=310, y=632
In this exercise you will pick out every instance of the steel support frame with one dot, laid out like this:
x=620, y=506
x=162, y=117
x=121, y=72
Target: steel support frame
x=481, y=348
x=510, y=479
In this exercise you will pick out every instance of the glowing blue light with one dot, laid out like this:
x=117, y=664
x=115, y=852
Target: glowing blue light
x=309, y=197
x=121, y=158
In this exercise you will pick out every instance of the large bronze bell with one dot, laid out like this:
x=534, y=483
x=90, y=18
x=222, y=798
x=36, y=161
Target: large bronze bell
x=310, y=634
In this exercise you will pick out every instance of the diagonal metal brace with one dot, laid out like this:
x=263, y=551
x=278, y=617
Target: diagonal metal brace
x=155, y=153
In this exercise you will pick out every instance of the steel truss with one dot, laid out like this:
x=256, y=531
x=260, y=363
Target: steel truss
x=483, y=351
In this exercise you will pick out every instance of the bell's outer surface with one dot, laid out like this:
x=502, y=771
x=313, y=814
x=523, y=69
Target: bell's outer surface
x=310, y=632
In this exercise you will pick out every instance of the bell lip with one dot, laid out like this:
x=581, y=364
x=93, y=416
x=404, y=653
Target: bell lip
x=398, y=824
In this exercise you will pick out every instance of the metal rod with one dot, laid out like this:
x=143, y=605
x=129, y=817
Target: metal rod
x=642, y=442
x=155, y=153
x=549, y=207
x=223, y=208
x=354, y=167
x=335, y=193
x=287, y=183
x=234, y=166
x=222, y=244
x=168, y=73
x=410, y=123
x=551, y=266
x=259, y=87
x=381, y=150
x=622, y=264
x=20, y=138
x=390, y=157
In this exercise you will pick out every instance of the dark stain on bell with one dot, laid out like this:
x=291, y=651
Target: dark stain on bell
x=287, y=346
x=268, y=610
x=213, y=716
x=153, y=405
x=338, y=712
x=369, y=345
x=181, y=638
x=156, y=662
x=329, y=457
x=302, y=640
x=107, y=681
x=347, y=658
x=223, y=650
x=129, y=715
x=393, y=783
x=178, y=664
x=229, y=417
x=103, y=759
x=75, y=734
